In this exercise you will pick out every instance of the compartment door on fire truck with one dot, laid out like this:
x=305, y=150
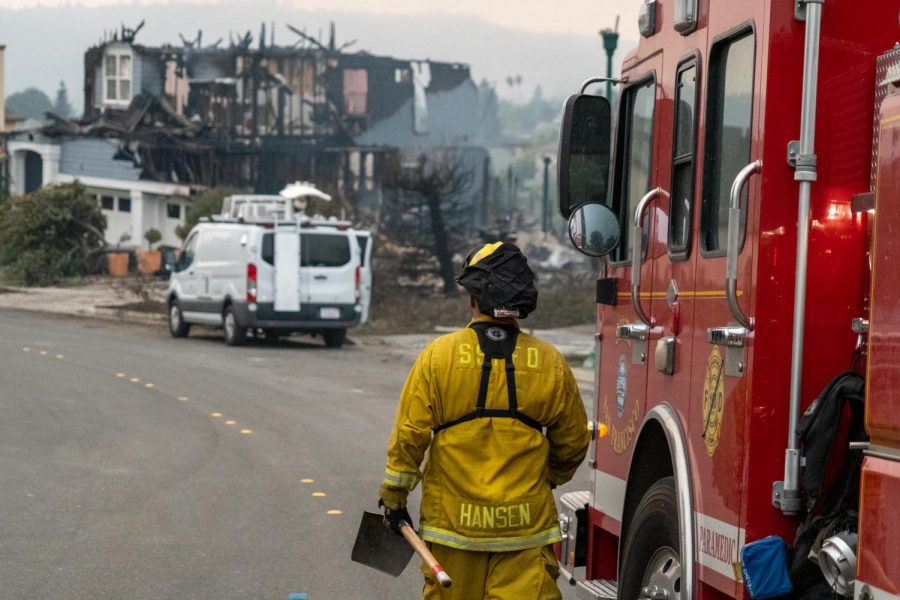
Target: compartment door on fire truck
x=623, y=358
x=718, y=389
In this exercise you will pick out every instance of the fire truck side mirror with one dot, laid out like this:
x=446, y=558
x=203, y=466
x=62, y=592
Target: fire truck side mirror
x=594, y=229
x=584, y=149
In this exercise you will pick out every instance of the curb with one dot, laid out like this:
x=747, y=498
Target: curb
x=106, y=314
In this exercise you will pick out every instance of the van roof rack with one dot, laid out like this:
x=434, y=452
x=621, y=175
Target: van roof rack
x=300, y=220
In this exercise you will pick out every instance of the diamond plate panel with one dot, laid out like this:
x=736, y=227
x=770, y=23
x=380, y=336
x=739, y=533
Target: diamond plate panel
x=887, y=73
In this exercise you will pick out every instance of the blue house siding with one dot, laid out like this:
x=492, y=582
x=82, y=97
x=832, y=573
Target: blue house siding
x=94, y=158
x=150, y=73
x=450, y=122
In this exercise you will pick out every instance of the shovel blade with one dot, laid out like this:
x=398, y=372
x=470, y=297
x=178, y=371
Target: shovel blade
x=380, y=548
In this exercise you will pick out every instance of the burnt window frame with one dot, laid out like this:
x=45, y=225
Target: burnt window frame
x=695, y=61
x=725, y=40
x=622, y=150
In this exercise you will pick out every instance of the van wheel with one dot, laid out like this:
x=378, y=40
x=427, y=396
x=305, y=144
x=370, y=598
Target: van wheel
x=651, y=563
x=177, y=325
x=235, y=335
x=334, y=338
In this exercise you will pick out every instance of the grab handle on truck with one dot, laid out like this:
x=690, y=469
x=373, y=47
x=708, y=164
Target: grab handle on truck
x=734, y=242
x=637, y=254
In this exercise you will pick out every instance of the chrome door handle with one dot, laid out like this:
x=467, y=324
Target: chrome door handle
x=734, y=230
x=730, y=337
x=636, y=248
x=633, y=331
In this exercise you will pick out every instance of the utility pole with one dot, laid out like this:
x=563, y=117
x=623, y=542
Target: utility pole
x=545, y=212
x=610, y=42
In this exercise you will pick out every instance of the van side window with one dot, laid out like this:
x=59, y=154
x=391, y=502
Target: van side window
x=634, y=154
x=728, y=135
x=683, y=149
x=363, y=244
x=268, y=248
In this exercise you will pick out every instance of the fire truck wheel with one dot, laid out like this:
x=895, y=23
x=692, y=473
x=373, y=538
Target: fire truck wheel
x=651, y=562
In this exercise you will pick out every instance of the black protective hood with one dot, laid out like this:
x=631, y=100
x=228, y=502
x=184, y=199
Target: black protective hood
x=501, y=282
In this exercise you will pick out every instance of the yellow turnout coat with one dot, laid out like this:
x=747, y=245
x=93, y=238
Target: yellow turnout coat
x=487, y=478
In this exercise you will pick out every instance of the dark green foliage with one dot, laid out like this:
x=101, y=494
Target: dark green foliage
x=49, y=234
x=31, y=104
x=152, y=236
x=204, y=204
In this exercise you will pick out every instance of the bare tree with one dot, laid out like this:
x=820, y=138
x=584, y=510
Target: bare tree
x=430, y=208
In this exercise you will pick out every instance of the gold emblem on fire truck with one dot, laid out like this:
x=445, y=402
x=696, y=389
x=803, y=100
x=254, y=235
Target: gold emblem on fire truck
x=713, y=401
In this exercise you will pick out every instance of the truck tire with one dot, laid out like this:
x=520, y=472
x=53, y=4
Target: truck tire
x=177, y=325
x=235, y=335
x=334, y=338
x=651, y=561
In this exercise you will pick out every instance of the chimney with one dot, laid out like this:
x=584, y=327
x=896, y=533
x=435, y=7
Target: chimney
x=2, y=92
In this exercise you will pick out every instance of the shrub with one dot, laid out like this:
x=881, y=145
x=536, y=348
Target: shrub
x=206, y=203
x=52, y=233
x=152, y=236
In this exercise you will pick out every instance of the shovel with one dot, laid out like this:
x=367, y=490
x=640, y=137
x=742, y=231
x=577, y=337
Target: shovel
x=380, y=548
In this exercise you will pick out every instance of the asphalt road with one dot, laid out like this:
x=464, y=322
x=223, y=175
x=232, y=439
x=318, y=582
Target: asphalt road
x=133, y=465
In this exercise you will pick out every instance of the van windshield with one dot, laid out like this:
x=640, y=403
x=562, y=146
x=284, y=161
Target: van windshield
x=316, y=249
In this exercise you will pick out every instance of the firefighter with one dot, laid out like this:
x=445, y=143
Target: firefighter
x=499, y=414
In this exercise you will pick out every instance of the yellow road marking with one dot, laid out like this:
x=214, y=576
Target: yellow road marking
x=229, y=422
x=60, y=356
x=26, y=349
x=335, y=511
x=216, y=415
x=120, y=375
x=307, y=480
x=135, y=379
x=149, y=386
x=43, y=353
x=246, y=431
x=319, y=494
x=182, y=398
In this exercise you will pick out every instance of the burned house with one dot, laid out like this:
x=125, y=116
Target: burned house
x=160, y=123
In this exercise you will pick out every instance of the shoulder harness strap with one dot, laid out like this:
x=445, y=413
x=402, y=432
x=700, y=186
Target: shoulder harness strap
x=496, y=341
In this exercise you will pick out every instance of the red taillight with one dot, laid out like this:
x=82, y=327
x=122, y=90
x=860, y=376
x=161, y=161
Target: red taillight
x=251, y=282
x=358, y=284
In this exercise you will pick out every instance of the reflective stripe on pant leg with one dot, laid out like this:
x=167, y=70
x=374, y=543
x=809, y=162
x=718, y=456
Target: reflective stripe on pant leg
x=523, y=575
x=467, y=569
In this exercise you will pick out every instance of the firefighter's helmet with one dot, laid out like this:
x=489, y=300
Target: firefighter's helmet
x=499, y=278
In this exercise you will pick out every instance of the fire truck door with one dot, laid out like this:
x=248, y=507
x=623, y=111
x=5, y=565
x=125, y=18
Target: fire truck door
x=624, y=354
x=720, y=340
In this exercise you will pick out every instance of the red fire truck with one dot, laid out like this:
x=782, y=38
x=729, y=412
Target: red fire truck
x=753, y=187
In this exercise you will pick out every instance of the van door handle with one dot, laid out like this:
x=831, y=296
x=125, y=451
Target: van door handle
x=320, y=277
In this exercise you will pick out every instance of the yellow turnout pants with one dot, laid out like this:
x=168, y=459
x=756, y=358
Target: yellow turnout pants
x=519, y=575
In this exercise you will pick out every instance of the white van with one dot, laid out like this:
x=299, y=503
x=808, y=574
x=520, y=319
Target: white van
x=273, y=277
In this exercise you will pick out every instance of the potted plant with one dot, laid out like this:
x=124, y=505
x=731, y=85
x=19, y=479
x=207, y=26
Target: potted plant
x=116, y=261
x=150, y=262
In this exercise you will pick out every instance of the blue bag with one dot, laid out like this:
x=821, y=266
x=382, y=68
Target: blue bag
x=764, y=564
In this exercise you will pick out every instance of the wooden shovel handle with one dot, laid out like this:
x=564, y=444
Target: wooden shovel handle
x=425, y=554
